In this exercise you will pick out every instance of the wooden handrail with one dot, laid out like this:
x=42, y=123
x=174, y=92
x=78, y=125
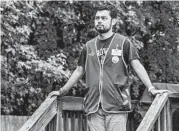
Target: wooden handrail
x=42, y=116
x=57, y=114
x=153, y=113
x=43, y=119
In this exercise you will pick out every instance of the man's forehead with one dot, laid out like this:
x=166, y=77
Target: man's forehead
x=103, y=13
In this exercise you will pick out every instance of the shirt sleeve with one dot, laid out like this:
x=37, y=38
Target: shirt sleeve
x=130, y=52
x=82, y=58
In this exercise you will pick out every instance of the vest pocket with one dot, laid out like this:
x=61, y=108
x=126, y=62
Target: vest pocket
x=121, y=97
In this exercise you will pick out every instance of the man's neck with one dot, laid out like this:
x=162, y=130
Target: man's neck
x=104, y=36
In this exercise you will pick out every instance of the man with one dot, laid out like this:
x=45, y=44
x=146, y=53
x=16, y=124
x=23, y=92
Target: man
x=105, y=60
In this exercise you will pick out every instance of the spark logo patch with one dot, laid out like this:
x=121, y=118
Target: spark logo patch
x=91, y=54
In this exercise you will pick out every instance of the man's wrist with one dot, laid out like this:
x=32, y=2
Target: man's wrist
x=62, y=91
x=151, y=88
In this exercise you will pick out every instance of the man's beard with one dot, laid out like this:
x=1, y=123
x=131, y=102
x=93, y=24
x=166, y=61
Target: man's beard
x=102, y=29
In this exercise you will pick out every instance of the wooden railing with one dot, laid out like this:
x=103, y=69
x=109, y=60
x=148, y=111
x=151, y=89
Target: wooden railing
x=70, y=116
x=58, y=114
x=66, y=114
x=159, y=115
x=44, y=117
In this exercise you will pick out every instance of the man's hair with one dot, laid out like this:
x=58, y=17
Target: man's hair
x=110, y=8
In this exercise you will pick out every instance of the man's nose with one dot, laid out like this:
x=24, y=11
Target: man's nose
x=99, y=20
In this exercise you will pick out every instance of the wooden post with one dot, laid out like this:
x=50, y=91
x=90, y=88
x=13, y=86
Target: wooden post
x=169, y=116
x=76, y=122
x=159, y=124
x=86, y=117
x=60, y=123
x=68, y=125
x=73, y=121
x=165, y=118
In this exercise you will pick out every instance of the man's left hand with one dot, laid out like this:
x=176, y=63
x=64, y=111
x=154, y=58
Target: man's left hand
x=155, y=91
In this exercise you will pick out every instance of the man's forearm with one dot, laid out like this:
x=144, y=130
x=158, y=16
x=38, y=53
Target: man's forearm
x=77, y=74
x=142, y=73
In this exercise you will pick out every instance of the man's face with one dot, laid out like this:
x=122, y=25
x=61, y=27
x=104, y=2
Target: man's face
x=103, y=21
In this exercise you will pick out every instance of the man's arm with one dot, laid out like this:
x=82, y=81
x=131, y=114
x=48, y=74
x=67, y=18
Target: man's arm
x=142, y=73
x=77, y=74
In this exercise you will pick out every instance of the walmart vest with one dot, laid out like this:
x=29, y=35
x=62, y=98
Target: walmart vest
x=107, y=82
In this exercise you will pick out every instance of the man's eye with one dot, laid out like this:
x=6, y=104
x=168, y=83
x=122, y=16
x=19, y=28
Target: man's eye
x=96, y=18
x=103, y=18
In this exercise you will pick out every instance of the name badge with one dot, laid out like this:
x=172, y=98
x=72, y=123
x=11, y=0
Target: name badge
x=116, y=52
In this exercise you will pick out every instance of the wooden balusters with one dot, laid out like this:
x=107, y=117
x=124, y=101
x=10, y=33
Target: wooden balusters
x=158, y=117
x=74, y=121
x=52, y=125
x=163, y=122
x=76, y=127
x=73, y=118
x=66, y=114
x=60, y=121
x=158, y=124
x=169, y=116
x=153, y=113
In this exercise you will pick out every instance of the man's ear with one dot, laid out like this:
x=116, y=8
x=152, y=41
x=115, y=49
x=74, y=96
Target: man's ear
x=114, y=21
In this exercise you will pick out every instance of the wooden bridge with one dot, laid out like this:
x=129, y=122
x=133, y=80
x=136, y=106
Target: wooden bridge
x=66, y=114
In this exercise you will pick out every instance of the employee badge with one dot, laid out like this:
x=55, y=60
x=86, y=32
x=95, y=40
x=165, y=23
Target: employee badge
x=116, y=52
x=115, y=59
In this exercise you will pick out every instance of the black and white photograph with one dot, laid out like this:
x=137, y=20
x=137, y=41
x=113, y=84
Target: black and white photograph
x=89, y=65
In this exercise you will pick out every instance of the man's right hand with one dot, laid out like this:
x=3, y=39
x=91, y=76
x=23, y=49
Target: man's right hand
x=61, y=92
x=54, y=93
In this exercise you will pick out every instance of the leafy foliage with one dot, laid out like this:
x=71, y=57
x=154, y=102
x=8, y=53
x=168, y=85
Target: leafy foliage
x=41, y=43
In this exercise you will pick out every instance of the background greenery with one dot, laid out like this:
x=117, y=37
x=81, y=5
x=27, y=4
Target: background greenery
x=41, y=42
